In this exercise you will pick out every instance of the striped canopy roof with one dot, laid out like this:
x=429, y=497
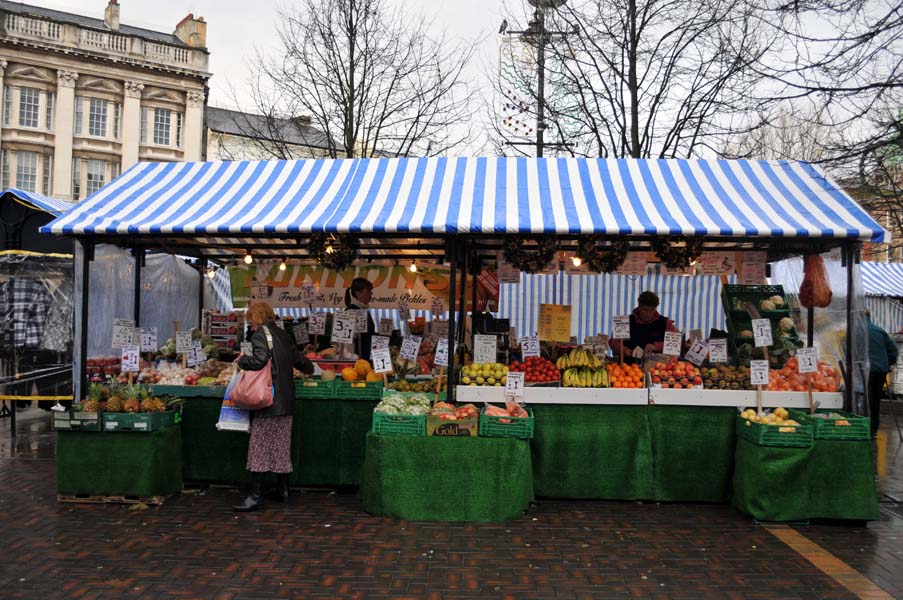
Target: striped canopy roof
x=882, y=279
x=54, y=206
x=473, y=195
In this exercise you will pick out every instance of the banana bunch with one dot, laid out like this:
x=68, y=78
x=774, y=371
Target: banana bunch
x=578, y=357
x=585, y=377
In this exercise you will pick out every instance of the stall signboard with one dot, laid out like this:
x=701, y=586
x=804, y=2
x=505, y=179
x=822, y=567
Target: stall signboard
x=343, y=328
x=716, y=263
x=634, y=264
x=514, y=384
x=752, y=268
x=410, y=347
x=507, y=273
x=183, y=342
x=620, y=327
x=758, y=372
x=555, y=322
x=316, y=324
x=718, y=350
x=378, y=342
x=485, y=348
x=529, y=345
x=441, y=357
x=130, y=355
x=123, y=332
x=807, y=360
x=697, y=352
x=146, y=338
x=762, y=332
x=382, y=360
x=386, y=326
x=672, y=344
x=301, y=334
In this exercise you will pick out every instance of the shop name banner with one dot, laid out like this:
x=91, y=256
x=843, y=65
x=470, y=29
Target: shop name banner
x=716, y=263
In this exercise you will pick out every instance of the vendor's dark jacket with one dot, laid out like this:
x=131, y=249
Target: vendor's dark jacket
x=285, y=357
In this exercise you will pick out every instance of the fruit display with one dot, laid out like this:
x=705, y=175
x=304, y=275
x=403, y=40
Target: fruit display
x=103, y=367
x=624, y=376
x=417, y=385
x=585, y=377
x=675, y=374
x=512, y=409
x=448, y=412
x=778, y=418
x=403, y=404
x=484, y=374
x=168, y=349
x=417, y=326
x=789, y=379
x=536, y=369
x=726, y=377
x=119, y=399
x=577, y=357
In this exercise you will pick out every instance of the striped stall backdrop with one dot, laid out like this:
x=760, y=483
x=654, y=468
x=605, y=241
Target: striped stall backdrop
x=887, y=313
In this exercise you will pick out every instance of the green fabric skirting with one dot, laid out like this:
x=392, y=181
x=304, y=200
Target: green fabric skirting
x=209, y=455
x=446, y=478
x=119, y=463
x=592, y=452
x=692, y=452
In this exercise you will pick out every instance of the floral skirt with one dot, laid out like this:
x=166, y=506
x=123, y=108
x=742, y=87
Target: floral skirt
x=270, y=446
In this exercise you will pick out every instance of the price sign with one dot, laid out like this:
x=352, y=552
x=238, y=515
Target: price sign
x=808, y=360
x=672, y=343
x=246, y=348
x=441, y=357
x=308, y=294
x=404, y=313
x=147, y=338
x=436, y=306
x=123, y=330
x=695, y=334
x=762, y=332
x=259, y=290
x=507, y=273
x=440, y=328
x=360, y=321
x=382, y=360
x=758, y=372
x=378, y=342
x=484, y=349
x=130, y=356
x=696, y=353
x=752, y=268
x=602, y=342
x=316, y=324
x=196, y=354
x=718, y=351
x=514, y=384
x=410, y=347
x=301, y=333
x=183, y=342
x=620, y=327
x=343, y=328
x=386, y=326
x=529, y=345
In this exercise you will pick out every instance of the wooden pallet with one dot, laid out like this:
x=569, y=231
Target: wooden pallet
x=100, y=499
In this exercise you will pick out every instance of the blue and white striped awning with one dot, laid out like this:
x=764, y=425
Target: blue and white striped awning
x=882, y=279
x=474, y=195
x=54, y=206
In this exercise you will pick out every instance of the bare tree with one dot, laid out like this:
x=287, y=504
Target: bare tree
x=368, y=76
x=787, y=134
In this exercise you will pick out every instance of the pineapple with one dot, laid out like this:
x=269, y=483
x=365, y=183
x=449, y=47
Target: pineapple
x=92, y=402
x=147, y=402
x=132, y=403
x=116, y=401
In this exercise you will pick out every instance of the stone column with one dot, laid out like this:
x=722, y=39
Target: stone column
x=3, y=65
x=193, y=135
x=62, y=154
x=131, y=123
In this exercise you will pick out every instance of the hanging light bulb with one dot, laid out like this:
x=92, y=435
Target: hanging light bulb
x=413, y=267
x=211, y=273
x=329, y=249
x=248, y=258
x=576, y=261
x=282, y=265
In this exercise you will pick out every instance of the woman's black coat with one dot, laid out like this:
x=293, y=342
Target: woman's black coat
x=285, y=357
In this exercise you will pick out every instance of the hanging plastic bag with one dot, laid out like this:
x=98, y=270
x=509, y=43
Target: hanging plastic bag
x=231, y=417
x=815, y=291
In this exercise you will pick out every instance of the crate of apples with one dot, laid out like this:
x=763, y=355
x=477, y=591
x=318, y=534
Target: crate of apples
x=536, y=370
x=675, y=374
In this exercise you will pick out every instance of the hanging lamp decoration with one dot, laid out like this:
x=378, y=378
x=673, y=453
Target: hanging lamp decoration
x=677, y=252
x=335, y=251
x=602, y=254
x=530, y=253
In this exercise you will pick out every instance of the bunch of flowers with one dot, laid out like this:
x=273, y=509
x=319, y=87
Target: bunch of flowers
x=602, y=255
x=677, y=251
x=529, y=253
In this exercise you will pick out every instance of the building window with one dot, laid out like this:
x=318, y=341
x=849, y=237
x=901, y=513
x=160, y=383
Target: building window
x=178, y=130
x=48, y=174
x=162, y=118
x=143, y=134
x=116, y=117
x=51, y=101
x=115, y=171
x=97, y=175
x=97, y=117
x=4, y=168
x=79, y=115
x=27, y=171
x=29, y=102
x=7, y=104
x=76, y=178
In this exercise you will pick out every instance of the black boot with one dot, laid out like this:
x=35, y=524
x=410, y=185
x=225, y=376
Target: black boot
x=254, y=499
x=280, y=492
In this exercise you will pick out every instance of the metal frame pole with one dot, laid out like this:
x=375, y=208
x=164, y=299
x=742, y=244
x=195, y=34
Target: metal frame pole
x=202, y=271
x=82, y=369
x=139, y=263
x=452, y=251
x=849, y=254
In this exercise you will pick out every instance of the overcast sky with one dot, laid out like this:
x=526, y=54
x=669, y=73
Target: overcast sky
x=236, y=26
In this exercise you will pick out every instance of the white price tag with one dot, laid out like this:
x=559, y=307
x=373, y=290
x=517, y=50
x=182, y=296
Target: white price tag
x=316, y=324
x=404, y=313
x=130, y=355
x=198, y=350
x=620, y=327
x=147, y=338
x=308, y=294
x=439, y=328
x=360, y=321
x=441, y=357
x=378, y=342
x=343, y=328
x=246, y=348
x=259, y=290
x=758, y=372
x=386, y=326
x=672, y=343
x=718, y=350
x=183, y=342
x=123, y=330
x=514, y=384
x=301, y=335
x=382, y=360
x=485, y=349
x=762, y=332
x=807, y=359
x=529, y=345
x=436, y=307
x=695, y=334
x=638, y=352
x=602, y=343
x=410, y=347
x=696, y=353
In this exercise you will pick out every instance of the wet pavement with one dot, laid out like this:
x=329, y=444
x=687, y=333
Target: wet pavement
x=322, y=546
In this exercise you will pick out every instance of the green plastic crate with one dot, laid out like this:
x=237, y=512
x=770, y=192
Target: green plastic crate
x=315, y=389
x=825, y=429
x=140, y=422
x=384, y=424
x=770, y=435
x=431, y=395
x=519, y=427
x=189, y=391
x=71, y=420
x=359, y=390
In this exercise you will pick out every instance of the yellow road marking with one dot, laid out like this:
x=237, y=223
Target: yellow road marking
x=829, y=564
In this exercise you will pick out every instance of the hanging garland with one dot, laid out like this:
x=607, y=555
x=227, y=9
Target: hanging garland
x=333, y=251
x=602, y=255
x=677, y=252
x=529, y=253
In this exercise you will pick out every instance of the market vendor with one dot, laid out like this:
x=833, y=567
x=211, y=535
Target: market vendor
x=357, y=297
x=647, y=327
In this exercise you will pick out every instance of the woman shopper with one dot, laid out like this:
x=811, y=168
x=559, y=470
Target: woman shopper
x=270, y=443
x=357, y=297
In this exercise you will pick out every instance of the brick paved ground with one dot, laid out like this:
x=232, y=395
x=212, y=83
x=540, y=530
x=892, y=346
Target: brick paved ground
x=323, y=546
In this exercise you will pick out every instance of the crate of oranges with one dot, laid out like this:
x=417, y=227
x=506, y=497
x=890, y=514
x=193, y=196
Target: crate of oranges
x=625, y=376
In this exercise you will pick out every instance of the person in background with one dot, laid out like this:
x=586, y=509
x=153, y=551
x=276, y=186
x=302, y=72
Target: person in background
x=647, y=327
x=270, y=443
x=357, y=297
x=882, y=356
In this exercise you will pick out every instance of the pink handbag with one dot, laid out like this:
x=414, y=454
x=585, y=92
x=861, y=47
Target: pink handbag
x=254, y=390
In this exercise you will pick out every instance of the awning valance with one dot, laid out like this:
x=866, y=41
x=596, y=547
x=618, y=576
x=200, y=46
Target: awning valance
x=561, y=196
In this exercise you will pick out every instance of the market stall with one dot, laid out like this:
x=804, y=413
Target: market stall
x=452, y=217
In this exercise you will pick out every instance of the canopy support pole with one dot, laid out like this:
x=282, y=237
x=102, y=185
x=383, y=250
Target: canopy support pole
x=474, y=268
x=139, y=263
x=849, y=255
x=81, y=364
x=202, y=271
x=451, y=251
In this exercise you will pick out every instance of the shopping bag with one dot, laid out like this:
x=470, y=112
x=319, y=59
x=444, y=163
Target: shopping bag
x=232, y=417
x=254, y=389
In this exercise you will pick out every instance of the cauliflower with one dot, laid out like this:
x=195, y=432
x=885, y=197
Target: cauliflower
x=786, y=324
x=778, y=300
x=767, y=305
